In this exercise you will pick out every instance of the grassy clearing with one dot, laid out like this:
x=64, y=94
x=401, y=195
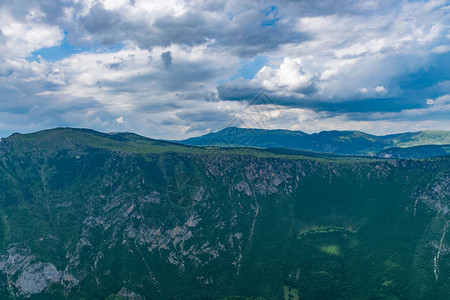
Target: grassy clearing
x=387, y=283
x=331, y=250
x=290, y=293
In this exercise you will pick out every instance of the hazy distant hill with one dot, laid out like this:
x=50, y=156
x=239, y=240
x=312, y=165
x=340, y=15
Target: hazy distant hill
x=415, y=152
x=338, y=142
x=88, y=215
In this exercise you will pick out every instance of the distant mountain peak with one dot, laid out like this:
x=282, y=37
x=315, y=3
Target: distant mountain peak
x=347, y=142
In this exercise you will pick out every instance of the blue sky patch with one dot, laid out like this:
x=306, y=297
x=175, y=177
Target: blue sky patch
x=270, y=12
x=250, y=68
x=66, y=49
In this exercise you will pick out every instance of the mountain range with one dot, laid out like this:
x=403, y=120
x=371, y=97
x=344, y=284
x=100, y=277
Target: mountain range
x=90, y=215
x=336, y=142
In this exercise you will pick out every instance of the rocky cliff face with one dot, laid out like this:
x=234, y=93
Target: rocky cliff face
x=81, y=219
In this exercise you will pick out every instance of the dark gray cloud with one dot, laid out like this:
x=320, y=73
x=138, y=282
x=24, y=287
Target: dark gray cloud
x=331, y=7
x=116, y=66
x=102, y=22
x=243, y=33
x=245, y=28
x=167, y=59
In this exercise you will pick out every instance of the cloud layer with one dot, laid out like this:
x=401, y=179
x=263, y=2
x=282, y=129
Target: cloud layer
x=180, y=68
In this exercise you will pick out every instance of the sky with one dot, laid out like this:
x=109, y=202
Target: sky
x=175, y=69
